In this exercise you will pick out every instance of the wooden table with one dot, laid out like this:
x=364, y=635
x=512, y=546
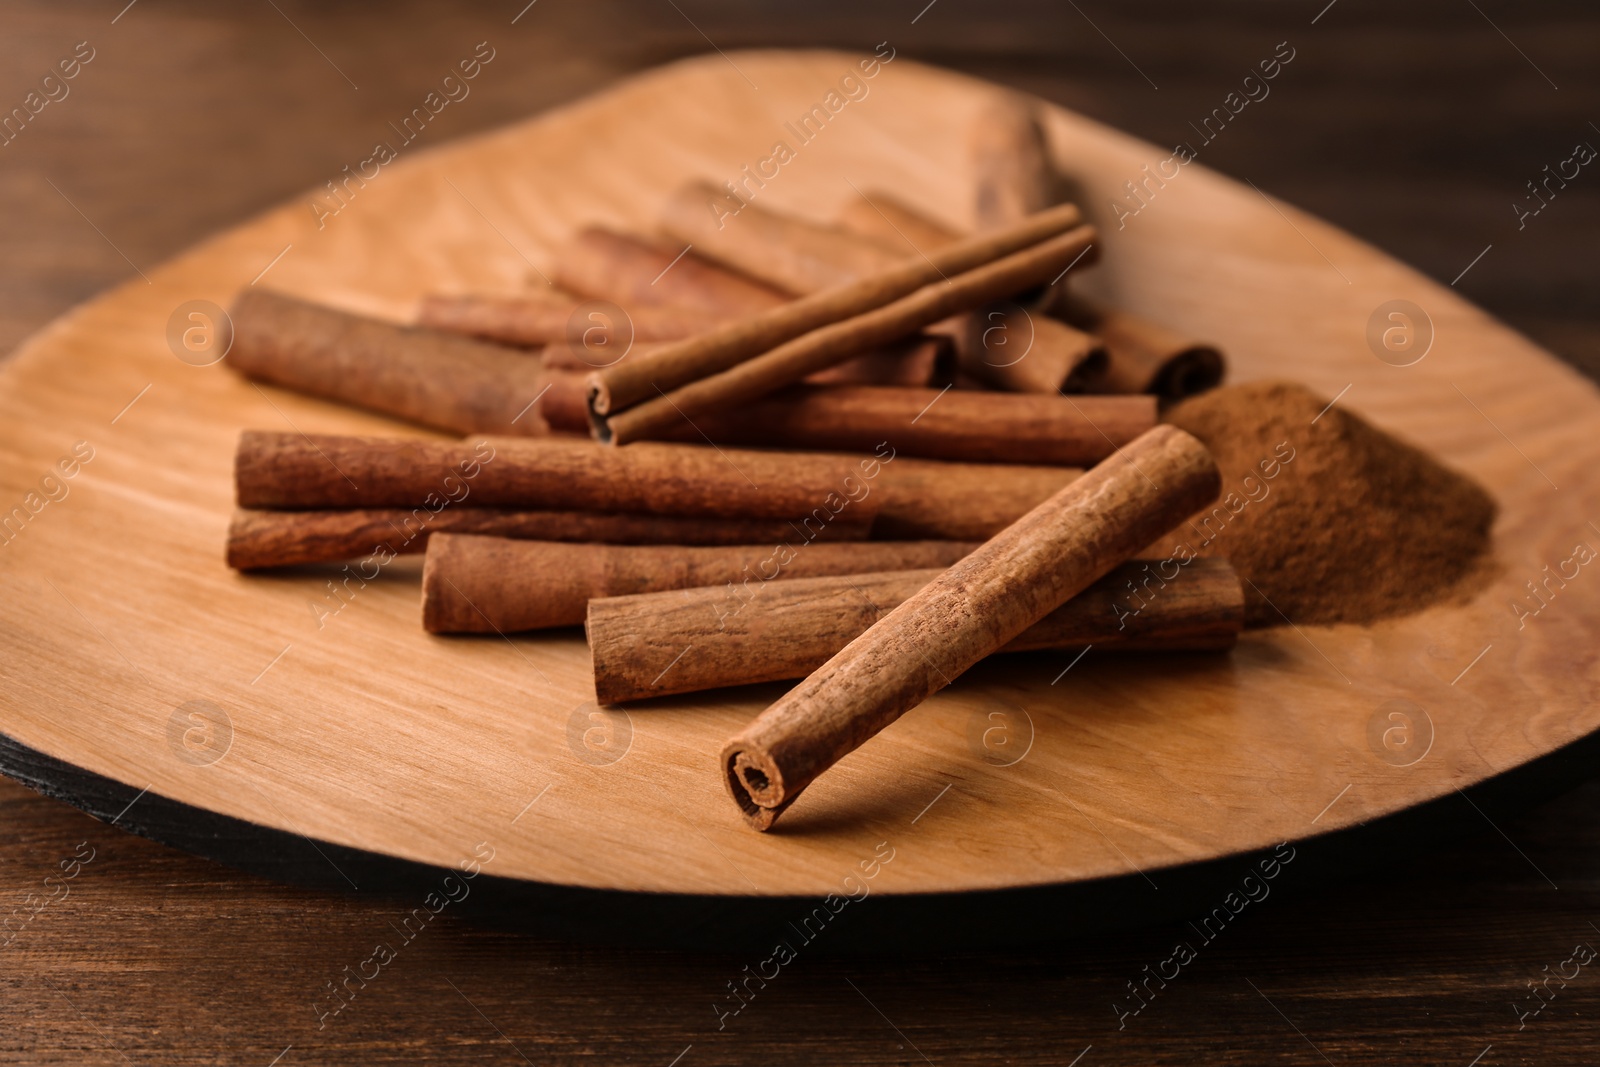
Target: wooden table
x=1416, y=130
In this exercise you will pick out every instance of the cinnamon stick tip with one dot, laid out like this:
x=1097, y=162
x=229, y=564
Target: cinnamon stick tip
x=748, y=775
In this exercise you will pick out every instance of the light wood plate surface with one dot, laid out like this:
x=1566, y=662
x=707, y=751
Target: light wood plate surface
x=356, y=730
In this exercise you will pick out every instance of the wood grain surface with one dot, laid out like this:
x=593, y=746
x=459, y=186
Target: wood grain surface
x=1411, y=132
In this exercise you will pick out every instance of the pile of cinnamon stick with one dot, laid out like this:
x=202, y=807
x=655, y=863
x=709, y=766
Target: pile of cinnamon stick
x=941, y=454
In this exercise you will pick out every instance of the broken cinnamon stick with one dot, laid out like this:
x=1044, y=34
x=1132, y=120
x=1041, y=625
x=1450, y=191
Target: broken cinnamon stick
x=976, y=607
x=1007, y=346
x=1145, y=357
x=959, y=424
x=474, y=584
x=261, y=539
x=914, y=499
x=638, y=642
x=536, y=319
x=678, y=362
x=433, y=379
x=829, y=345
x=634, y=273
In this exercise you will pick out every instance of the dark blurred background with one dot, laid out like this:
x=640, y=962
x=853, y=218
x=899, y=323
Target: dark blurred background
x=1414, y=126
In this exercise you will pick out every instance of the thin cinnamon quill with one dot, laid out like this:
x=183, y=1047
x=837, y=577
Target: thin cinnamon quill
x=261, y=539
x=914, y=499
x=958, y=424
x=434, y=379
x=679, y=362
x=824, y=347
x=976, y=607
x=658, y=644
x=474, y=584
x=1006, y=346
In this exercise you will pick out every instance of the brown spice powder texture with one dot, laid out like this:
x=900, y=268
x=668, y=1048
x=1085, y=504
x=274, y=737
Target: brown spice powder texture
x=1358, y=526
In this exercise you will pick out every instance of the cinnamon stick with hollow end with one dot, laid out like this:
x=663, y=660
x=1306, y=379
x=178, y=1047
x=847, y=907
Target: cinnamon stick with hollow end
x=1011, y=170
x=824, y=347
x=261, y=539
x=1145, y=357
x=632, y=272
x=476, y=584
x=300, y=471
x=960, y=424
x=535, y=319
x=786, y=252
x=678, y=362
x=438, y=380
x=638, y=642
x=1007, y=346
x=976, y=607
x=914, y=499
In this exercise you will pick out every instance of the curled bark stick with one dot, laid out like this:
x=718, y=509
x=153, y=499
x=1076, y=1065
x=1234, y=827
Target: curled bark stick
x=1011, y=171
x=829, y=345
x=976, y=607
x=260, y=539
x=476, y=584
x=958, y=424
x=789, y=253
x=638, y=642
x=913, y=499
x=1145, y=357
x=676, y=363
x=434, y=379
x=537, y=319
x=635, y=273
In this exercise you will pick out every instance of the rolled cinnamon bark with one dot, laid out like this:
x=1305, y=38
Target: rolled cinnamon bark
x=260, y=539
x=933, y=499
x=829, y=345
x=536, y=319
x=434, y=379
x=1011, y=171
x=678, y=362
x=638, y=642
x=474, y=584
x=1145, y=357
x=788, y=253
x=926, y=359
x=976, y=607
x=1007, y=346
x=632, y=272
x=914, y=499
x=959, y=424
x=300, y=471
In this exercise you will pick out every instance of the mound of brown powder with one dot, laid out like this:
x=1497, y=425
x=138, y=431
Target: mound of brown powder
x=1332, y=521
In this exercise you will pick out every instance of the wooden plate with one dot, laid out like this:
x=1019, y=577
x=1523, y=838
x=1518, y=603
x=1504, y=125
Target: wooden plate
x=252, y=713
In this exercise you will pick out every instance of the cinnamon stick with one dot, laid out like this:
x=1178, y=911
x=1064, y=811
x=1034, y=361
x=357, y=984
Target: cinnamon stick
x=536, y=319
x=678, y=362
x=638, y=642
x=1144, y=356
x=474, y=584
x=1006, y=346
x=958, y=424
x=789, y=253
x=976, y=607
x=1011, y=171
x=635, y=273
x=434, y=379
x=930, y=498
x=824, y=347
x=914, y=499
x=925, y=359
x=261, y=539
x=300, y=471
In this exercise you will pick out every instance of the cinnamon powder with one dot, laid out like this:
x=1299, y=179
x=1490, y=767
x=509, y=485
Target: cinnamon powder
x=1357, y=526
